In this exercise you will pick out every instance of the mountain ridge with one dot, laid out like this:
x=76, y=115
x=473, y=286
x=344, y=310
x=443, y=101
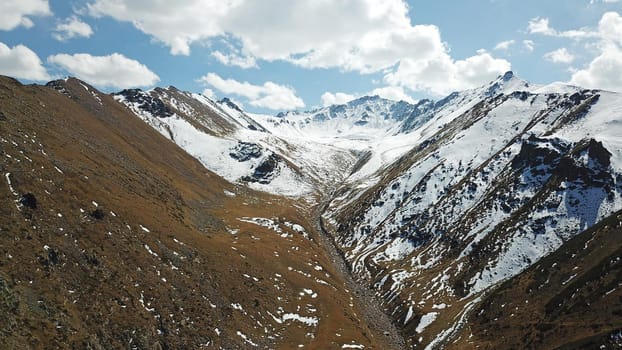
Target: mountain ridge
x=436, y=207
x=473, y=136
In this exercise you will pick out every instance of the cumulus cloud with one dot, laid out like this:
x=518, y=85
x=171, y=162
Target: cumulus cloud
x=365, y=36
x=269, y=95
x=610, y=30
x=71, y=28
x=209, y=93
x=444, y=75
x=529, y=45
x=605, y=70
x=395, y=93
x=541, y=26
x=504, y=45
x=176, y=24
x=17, y=13
x=22, y=63
x=338, y=98
x=235, y=60
x=115, y=70
x=559, y=56
x=361, y=35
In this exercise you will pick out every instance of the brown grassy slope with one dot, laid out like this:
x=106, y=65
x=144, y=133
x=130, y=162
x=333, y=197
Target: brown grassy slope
x=133, y=244
x=571, y=299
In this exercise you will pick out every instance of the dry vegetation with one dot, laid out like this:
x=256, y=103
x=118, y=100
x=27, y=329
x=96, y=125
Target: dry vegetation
x=113, y=237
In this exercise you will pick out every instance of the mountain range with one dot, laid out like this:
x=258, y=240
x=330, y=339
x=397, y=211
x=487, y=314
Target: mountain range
x=164, y=219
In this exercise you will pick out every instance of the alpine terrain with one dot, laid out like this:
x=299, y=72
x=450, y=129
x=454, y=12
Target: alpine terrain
x=164, y=219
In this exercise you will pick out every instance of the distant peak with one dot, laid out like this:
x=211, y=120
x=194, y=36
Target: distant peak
x=505, y=84
x=70, y=86
x=364, y=99
x=367, y=98
x=63, y=81
x=130, y=92
x=508, y=76
x=226, y=101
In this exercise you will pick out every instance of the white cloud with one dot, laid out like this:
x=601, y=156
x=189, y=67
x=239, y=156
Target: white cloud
x=269, y=95
x=115, y=70
x=15, y=13
x=610, y=30
x=559, y=56
x=604, y=71
x=358, y=35
x=209, y=93
x=529, y=45
x=22, y=63
x=395, y=93
x=338, y=98
x=444, y=75
x=541, y=26
x=365, y=36
x=504, y=45
x=235, y=60
x=72, y=27
x=176, y=24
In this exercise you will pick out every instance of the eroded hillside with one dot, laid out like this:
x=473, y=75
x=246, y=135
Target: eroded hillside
x=502, y=181
x=114, y=237
x=164, y=219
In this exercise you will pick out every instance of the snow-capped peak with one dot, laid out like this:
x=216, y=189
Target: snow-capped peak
x=505, y=84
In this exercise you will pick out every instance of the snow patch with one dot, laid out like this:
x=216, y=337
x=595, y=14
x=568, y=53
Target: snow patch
x=309, y=321
x=425, y=321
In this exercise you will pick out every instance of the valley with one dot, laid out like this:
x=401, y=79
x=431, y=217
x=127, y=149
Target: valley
x=163, y=219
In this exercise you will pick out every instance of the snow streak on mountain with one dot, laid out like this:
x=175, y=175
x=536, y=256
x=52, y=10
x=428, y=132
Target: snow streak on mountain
x=488, y=216
x=434, y=203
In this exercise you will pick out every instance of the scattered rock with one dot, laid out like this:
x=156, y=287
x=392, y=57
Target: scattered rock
x=266, y=171
x=50, y=259
x=226, y=101
x=91, y=257
x=2, y=117
x=245, y=151
x=28, y=200
x=148, y=103
x=60, y=86
x=597, y=151
x=8, y=299
x=98, y=214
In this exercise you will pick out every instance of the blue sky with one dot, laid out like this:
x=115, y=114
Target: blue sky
x=272, y=55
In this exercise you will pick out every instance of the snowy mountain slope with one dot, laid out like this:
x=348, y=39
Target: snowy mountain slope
x=222, y=137
x=365, y=118
x=379, y=131
x=331, y=144
x=434, y=204
x=327, y=143
x=496, y=182
x=559, y=302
